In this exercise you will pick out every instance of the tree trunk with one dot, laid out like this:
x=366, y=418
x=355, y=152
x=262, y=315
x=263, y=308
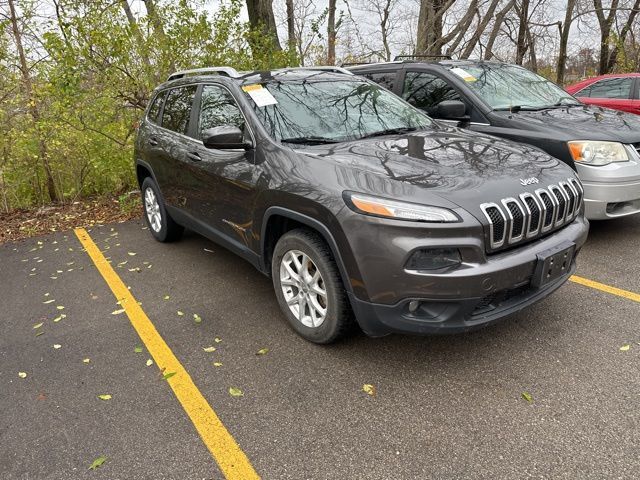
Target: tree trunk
x=564, y=28
x=156, y=21
x=605, y=23
x=488, y=54
x=522, y=44
x=384, y=30
x=331, y=33
x=291, y=26
x=482, y=26
x=613, y=56
x=262, y=19
x=32, y=102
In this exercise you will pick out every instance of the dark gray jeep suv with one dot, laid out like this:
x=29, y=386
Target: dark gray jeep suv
x=359, y=206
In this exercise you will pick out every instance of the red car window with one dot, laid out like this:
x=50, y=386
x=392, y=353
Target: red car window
x=608, y=88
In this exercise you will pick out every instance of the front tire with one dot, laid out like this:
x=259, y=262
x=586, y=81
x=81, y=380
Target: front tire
x=160, y=224
x=309, y=289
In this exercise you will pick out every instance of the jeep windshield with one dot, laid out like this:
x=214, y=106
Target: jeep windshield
x=330, y=111
x=509, y=87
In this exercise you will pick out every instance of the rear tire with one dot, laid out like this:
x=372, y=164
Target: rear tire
x=160, y=224
x=306, y=279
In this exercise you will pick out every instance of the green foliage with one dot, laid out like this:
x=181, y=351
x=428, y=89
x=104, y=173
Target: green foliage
x=92, y=74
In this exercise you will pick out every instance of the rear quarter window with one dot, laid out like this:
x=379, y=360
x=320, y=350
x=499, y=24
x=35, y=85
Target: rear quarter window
x=384, y=79
x=156, y=105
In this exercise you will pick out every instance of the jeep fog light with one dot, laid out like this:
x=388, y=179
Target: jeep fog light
x=433, y=259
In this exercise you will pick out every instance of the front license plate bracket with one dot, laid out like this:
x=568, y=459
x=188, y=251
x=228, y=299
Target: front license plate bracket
x=553, y=264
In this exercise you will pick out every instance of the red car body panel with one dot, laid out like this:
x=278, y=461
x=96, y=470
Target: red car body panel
x=630, y=104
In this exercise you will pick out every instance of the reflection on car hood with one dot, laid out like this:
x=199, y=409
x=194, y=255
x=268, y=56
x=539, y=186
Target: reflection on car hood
x=585, y=122
x=462, y=167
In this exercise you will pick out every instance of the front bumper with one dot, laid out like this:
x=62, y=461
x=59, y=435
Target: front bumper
x=465, y=298
x=611, y=191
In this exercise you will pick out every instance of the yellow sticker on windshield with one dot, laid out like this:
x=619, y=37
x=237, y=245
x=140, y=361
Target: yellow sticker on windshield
x=260, y=95
x=466, y=76
x=249, y=88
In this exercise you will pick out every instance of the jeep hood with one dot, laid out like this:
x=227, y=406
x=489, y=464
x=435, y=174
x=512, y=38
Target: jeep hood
x=584, y=122
x=445, y=166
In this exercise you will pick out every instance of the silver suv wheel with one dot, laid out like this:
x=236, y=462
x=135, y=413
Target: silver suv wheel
x=303, y=288
x=152, y=208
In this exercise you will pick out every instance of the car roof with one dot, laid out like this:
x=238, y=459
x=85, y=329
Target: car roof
x=443, y=63
x=293, y=74
x=588, y=81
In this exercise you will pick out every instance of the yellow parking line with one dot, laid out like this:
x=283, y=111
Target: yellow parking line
x=606, y=288
x=232, y=461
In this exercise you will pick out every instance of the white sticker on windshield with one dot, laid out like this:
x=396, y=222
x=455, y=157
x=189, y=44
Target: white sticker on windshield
x=466, y=76
x=260, y=95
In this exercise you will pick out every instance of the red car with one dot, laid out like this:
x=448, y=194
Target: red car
x=617, y=91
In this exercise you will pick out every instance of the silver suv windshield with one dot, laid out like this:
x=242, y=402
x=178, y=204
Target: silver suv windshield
x=330, y=111
x=507, y=87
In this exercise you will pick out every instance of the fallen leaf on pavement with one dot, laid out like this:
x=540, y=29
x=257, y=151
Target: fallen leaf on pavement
x=262, y=351
x=117, y=312
x=149, y=362
x=217, y=364
x=60, y=307
x=49, y=301
x=86, y=360
x=217, y=340
x=209, y=349
x=180, y=314
x=168, y=375
x=57, y=346
x=132, y=254
x=104, y=396
x=38, y=325
x=369, y=389
x=166, y=297
x=197, y=318
x=527, y=396
x=59, y=317
x=22, y=374
x=235, y=392
x=97, y=463
x=138, y=349
x=623, y=348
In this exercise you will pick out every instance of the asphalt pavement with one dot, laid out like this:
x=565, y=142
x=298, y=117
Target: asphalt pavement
x=446, y=407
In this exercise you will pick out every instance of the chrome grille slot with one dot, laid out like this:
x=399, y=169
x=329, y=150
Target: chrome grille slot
x=578, y=187
x=516, y=219
x=572, y=196
x=549, y=209
x=497, y=223
x=533, y=214
x=561, y=203
x=529, y=215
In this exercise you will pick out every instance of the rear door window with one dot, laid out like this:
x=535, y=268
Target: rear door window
x=609, y=88
x=426, y=91
x=177, y=109
x=218, y=108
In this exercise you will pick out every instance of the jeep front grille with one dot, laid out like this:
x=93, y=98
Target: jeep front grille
x=516, y=219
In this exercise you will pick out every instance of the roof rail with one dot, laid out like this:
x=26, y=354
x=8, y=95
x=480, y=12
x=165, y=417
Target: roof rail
x=411, y=57
x=328, y=68
x=224, y=71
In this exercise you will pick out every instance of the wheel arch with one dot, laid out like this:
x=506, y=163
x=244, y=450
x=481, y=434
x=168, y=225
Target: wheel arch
x=278, y=220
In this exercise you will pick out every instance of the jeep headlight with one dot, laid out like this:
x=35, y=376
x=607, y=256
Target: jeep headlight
x=598, y=153
x=382, y=207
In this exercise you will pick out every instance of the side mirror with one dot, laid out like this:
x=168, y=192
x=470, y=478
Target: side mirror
x=224, y=137
x=451, y=110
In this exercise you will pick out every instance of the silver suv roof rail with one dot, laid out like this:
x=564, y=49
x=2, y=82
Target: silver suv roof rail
x=328, y=68
x=224, y=71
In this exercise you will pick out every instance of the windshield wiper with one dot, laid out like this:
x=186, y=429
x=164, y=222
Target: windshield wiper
x=517, y=108
x=390, y=131
x=311, y=140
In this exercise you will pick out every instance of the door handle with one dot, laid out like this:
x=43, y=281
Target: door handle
x=193, y=156
x=153, y=142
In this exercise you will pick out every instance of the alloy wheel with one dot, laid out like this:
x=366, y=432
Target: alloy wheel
x=303, y=288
